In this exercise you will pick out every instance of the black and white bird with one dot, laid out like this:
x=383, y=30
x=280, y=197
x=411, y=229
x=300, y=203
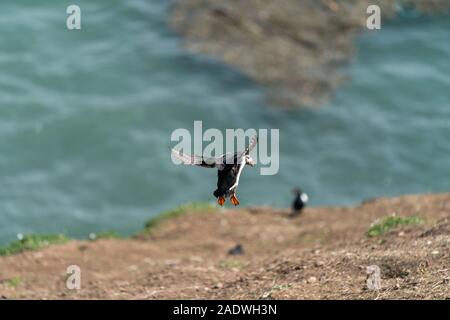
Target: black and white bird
x=300, y=201
x=229, y=169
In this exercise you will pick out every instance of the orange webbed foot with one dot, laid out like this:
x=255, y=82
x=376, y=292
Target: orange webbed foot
x=221, y=201
x=234, y=200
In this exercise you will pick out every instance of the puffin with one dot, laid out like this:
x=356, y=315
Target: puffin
x=300, y=201
x=229, y=169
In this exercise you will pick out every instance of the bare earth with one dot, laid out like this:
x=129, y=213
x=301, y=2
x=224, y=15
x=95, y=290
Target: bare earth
x=323, y=254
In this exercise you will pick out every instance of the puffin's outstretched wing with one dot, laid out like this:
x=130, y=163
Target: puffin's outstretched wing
x=252, y=144
x=218, y=162
x=239, y=155
x=196, y=160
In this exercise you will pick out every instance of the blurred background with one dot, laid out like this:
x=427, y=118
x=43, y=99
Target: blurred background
x=86, y=118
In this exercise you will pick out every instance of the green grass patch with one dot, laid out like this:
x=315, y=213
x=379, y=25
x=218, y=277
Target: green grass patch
x=14, y=282
x=191, y=208
x=275, y=288
x=231, y=264
x=392, y=222
x=104, y=235
x=31, y=243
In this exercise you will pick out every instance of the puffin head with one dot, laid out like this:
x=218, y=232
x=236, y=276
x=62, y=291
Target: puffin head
x=296, y=190
x=299, y=193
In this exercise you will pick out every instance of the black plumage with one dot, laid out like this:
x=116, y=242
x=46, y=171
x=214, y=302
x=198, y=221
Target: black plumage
x=300, y=201
x=236, y=250
x=226, y=178
x=229, y=169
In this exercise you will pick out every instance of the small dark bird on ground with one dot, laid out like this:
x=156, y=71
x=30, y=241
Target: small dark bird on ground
x=229, y=168
x=300, y=201
x=237, y=250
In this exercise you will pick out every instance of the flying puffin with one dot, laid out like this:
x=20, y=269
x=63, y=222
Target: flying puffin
x=229, y=168
x=300, y=200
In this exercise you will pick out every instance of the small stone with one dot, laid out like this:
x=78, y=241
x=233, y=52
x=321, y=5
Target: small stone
x=312, y=280
x=401, y=234
x=373, y=280
x=172, y=263
x=319, y=263
x=435, y=252
x=38, y=255
x=133, y=268
x=196, y=259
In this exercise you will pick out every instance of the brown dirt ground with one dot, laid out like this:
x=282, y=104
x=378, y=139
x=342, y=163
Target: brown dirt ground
x=323, y=254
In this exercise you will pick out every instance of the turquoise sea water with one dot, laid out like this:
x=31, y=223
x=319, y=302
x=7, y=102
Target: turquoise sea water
x=86, y=118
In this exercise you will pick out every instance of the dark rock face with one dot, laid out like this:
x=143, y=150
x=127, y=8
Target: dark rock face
x=294, y=48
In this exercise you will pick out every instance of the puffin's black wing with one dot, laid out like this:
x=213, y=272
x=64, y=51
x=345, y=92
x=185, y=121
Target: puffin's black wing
x=219, y=162
x=237, y=157
x=196, y=160
x=251, y=146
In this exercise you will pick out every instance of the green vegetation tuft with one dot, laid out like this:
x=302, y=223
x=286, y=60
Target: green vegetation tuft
x=231, y=264
x=267, y=295
x=390, y=223
x=14, y=282
x=32, y=242
x=196, y=208
x=107, y=235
